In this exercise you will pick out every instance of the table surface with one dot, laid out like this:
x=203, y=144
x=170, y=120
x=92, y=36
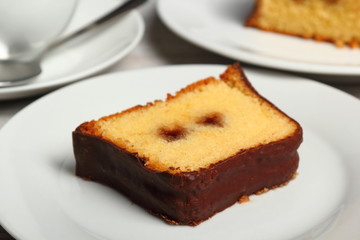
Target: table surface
x=159, y=47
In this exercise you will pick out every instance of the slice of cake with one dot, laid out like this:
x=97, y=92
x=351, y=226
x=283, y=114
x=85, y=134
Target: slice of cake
x=185, y=159
x=336, y=21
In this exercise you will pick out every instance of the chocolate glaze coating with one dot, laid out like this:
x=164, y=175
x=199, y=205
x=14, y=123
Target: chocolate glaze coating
x=190, y=197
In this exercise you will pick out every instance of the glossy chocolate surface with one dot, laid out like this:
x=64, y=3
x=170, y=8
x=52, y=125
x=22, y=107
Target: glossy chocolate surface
x=190, y=197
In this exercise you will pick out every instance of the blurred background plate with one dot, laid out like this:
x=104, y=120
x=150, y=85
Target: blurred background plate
x=86, y=55
x=218, y=26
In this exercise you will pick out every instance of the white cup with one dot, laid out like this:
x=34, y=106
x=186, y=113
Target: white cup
x=27, y=27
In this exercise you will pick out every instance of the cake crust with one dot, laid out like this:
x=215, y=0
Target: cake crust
x=192, y=197
x=188, y=197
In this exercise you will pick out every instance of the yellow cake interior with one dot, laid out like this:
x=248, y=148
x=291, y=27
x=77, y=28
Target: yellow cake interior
x=329, y=20
x=197, y=128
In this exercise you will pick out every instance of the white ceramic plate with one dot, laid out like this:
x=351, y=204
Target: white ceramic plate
x=86, y=55
x=42, y=198
x=218, y=25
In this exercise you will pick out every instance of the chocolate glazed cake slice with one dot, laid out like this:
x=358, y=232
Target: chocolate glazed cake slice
x=194, y=154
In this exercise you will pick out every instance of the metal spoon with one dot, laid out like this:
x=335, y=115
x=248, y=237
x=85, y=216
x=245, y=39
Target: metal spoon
x=19, y=73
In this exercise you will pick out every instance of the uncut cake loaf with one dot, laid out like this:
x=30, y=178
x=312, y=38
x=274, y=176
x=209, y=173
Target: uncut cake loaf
x=184, y=159
x=336, y=21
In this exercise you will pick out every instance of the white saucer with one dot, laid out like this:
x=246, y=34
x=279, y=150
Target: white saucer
x=43, y=199
x=86, y=55
x=218, y=26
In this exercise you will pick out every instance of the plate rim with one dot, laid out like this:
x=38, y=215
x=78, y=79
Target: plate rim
x=138, y=71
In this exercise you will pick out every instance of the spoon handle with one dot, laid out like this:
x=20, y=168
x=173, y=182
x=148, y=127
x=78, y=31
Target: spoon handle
x=123, y=8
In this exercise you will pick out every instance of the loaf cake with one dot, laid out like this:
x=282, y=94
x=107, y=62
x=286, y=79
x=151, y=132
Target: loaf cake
x=336, y=21
x=184, y=159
